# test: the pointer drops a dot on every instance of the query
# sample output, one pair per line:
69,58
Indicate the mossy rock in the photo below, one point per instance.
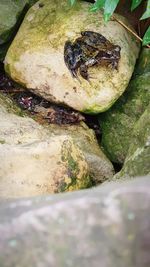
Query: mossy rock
143,63
100,167
11,12
36,56
137,162
11,15
117,124
42,159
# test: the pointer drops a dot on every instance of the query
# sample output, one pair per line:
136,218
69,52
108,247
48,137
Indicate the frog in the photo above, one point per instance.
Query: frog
90,49
73,55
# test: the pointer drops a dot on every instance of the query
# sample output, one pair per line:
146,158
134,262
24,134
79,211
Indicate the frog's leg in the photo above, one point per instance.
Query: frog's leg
84,72
69,57
83,69
114,64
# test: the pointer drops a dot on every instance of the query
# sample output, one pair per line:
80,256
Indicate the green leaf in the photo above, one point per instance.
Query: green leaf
72,2
147,12
99,4
110,6
135,3
146,38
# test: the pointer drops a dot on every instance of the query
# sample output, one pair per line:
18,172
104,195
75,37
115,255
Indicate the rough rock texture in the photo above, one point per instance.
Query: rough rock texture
138,157
10,10
36,56
100,167
38,160
143,64
117,124
108,226
11,14
52,166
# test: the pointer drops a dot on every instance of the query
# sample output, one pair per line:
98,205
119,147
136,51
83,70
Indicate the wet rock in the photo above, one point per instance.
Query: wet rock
137,161
117,124
37,160
36,57
106,226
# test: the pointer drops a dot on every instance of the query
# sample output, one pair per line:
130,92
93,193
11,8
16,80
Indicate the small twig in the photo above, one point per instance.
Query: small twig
12,91
126,27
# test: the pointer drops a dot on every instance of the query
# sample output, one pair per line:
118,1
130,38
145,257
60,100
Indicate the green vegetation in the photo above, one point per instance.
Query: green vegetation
109,7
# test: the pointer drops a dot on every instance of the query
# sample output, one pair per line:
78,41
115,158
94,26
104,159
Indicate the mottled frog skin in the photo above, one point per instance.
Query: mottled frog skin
90,49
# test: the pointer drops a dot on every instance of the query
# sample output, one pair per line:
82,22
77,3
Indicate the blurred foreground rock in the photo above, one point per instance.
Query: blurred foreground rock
107,226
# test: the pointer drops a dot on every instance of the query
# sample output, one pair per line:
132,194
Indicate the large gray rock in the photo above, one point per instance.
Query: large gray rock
108,226
36,56
118,122
37,160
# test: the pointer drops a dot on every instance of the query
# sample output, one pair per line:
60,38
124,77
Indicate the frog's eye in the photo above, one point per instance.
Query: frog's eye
79,57
109,52
117,48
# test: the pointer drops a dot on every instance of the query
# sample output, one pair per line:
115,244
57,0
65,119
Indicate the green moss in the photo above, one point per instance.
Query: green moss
9,13
137,162
74,169
95,109
143,64
117,123
10,106
2,142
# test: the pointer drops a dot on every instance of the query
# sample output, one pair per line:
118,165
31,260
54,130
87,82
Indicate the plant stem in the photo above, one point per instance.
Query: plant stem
127,28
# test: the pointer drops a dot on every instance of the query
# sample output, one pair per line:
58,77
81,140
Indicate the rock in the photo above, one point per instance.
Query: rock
3,50
100,167
117,124
36,56
11,13
143,64
106,226
37,160
138,157
52,166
